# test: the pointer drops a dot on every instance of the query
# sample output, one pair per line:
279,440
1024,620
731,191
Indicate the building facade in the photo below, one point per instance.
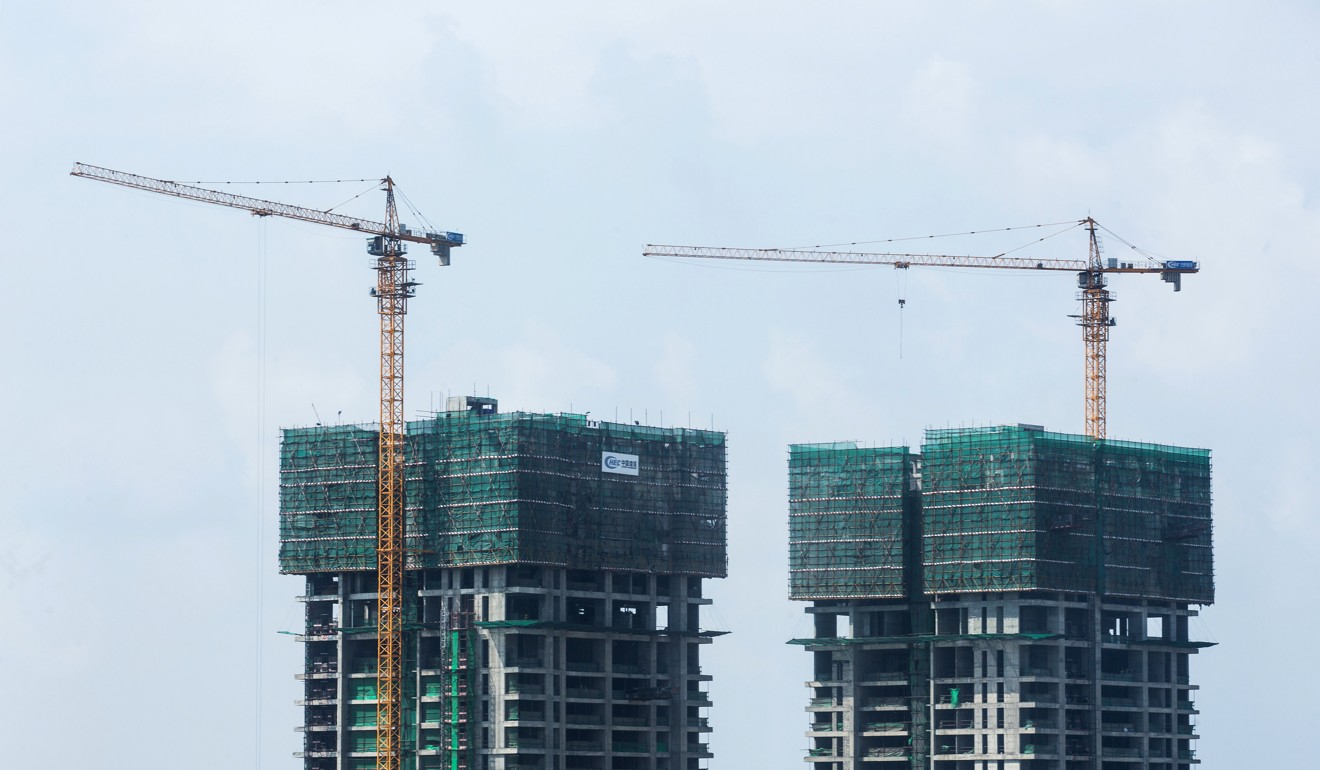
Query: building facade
1010,599
556,571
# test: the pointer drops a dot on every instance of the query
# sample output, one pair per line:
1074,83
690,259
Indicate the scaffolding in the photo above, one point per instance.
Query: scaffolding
328,498
1015,508
848,508
486,488
1009,508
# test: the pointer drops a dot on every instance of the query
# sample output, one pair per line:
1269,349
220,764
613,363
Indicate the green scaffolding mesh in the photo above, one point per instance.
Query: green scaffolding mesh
846,520
1017,508
1000,509
328,499
504,488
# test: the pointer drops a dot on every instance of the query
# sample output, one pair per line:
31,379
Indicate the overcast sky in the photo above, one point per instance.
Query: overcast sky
140,599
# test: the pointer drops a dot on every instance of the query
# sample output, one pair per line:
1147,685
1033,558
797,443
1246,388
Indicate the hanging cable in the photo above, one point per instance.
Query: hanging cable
900,284
259,650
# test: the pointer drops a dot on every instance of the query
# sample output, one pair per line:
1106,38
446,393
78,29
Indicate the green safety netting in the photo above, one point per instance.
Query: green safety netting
506,488
1009,508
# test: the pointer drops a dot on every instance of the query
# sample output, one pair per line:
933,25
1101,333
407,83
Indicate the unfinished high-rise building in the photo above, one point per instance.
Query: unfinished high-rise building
1009,599
554,590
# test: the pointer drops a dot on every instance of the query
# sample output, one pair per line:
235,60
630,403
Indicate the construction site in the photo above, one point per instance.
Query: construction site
1008,599
552,599
519,591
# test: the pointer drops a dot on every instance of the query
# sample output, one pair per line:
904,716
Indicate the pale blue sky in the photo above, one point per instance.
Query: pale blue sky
561,138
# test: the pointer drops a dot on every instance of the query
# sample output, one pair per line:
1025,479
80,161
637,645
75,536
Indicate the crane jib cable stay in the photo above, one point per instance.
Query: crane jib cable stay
1092,283
394,287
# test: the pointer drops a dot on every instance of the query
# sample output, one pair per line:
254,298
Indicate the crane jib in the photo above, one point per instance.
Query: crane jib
263,208
1091,279
897,260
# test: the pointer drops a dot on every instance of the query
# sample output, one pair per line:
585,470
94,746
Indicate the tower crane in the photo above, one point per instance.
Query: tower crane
394,287
1092,284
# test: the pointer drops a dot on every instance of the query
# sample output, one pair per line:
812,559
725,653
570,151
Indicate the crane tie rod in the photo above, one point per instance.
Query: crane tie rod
288,181
1071,223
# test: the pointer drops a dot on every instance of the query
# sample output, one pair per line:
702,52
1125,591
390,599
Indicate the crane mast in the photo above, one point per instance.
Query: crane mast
1091,280
394,287
1095,323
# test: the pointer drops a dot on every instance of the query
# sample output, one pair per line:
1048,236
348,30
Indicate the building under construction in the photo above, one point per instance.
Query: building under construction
554,590
1009,599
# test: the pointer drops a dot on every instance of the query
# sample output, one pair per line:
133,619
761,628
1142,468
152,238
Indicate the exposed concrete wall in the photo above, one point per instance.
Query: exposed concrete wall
1036,681
563,670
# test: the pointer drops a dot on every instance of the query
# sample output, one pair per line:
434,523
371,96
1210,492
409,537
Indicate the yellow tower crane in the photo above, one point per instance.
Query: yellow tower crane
393,289
1092,283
